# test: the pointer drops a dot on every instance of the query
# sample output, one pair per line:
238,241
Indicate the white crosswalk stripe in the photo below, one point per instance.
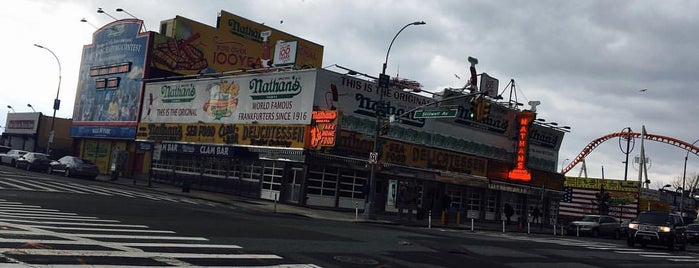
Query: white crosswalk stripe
598,246
12,181
60,237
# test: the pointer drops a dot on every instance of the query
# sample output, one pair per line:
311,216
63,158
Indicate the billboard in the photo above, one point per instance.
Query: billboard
22,123
357,99
110,81
272,98
236,43
580,197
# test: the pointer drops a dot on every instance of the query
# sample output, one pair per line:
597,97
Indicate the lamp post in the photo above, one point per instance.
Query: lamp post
122,10
684,173
563,164
374,155
56,101
99,10
30,106
10,107
85,21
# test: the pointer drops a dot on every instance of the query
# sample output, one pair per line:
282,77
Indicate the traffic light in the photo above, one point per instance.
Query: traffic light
485,109
472,112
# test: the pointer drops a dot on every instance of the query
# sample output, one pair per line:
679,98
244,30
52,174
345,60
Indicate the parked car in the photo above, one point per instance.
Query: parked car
595,225
658,228
33,161
11,156
4,149
71,166
692,233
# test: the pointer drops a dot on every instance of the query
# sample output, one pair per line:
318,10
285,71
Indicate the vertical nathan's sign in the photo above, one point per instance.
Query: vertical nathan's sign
520,171
324,129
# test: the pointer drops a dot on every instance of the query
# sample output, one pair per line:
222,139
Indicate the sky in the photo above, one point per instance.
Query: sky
596,66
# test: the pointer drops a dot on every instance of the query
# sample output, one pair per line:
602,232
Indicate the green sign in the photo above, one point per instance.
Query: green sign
435,113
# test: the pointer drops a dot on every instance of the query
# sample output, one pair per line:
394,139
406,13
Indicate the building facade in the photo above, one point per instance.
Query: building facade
32,131
242,108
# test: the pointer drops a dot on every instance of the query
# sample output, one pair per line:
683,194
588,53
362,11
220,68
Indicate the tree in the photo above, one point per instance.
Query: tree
691,183
603,200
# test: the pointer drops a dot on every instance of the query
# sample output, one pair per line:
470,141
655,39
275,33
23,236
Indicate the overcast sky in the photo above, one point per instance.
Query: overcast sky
586,61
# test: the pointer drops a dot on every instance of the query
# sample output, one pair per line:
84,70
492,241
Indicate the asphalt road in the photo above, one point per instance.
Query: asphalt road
51,220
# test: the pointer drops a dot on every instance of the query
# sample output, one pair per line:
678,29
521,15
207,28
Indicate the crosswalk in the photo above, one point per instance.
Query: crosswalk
596,245
15,181
33,236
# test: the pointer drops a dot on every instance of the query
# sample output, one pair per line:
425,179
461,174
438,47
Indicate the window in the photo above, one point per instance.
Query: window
100,83
113,82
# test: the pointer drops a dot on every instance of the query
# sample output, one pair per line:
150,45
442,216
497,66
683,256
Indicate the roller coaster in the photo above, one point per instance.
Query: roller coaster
690,148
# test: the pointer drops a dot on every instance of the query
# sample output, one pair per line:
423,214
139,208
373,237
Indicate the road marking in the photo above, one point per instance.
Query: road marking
61,186
37,212
110,253
43,214
77,223
180,245
100,229
88,189
15,208
3,217
13,265
154,237
15,185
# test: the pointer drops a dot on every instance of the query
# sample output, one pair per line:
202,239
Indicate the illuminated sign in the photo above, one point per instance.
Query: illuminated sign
520,171
324,129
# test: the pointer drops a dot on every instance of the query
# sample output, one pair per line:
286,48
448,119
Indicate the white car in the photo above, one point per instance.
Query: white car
11,156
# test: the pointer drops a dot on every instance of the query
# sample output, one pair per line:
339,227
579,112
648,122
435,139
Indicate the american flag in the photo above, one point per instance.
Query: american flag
577,202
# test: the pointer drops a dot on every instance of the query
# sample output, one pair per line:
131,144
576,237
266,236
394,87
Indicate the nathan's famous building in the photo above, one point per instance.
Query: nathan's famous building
244,109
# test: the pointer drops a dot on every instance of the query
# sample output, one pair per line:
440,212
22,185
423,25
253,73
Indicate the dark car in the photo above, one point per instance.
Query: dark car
595,225
33,161
658,228
692,233
624,228
71,166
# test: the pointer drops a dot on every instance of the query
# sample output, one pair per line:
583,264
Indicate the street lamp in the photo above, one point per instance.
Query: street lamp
564,163
122,10
30,106
85,21
374,156
684,173
99,10
10,107
56,101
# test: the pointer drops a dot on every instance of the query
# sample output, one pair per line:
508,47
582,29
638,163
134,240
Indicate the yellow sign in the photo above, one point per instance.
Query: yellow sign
236,44
596,184
287,136
426,157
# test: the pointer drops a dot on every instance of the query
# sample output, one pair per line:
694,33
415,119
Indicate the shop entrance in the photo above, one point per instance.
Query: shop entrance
293,187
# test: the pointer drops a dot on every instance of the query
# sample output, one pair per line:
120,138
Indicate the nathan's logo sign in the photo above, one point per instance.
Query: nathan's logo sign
178,93
520,171
324,129
243,31
275,88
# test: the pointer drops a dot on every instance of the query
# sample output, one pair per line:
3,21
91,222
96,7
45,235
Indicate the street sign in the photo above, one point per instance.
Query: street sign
436,113
373,157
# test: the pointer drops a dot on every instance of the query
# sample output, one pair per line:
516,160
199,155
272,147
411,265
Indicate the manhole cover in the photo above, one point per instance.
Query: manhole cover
356,260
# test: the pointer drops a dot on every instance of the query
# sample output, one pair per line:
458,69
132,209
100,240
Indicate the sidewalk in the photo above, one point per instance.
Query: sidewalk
269,206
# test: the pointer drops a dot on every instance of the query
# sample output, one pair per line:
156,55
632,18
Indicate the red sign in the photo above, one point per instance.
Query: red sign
520,171
324,129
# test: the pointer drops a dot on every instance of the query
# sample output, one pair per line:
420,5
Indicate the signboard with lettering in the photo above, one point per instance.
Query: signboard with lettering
358,100
110,81
425,157
520,172
286,136
272,98
236,43
22,123
323,129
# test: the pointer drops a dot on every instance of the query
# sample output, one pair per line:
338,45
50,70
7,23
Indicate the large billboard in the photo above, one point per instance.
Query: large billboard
110,81
271,98
286,136
190,47
22,123
358,100
580,197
